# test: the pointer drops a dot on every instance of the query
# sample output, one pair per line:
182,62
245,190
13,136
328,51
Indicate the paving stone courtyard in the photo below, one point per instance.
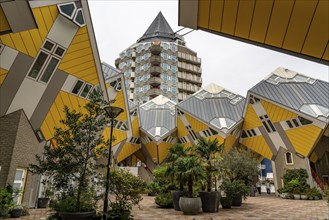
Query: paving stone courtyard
260,207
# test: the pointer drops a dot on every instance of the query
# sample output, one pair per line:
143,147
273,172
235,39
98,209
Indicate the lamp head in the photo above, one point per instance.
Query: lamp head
112,111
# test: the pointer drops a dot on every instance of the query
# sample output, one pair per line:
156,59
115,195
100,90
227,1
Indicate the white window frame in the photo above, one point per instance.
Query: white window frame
292,158
50,55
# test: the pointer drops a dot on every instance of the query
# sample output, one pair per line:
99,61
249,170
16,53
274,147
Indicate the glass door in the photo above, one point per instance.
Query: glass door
18,185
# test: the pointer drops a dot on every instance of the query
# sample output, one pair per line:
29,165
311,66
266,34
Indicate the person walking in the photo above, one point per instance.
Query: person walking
259,187
268,186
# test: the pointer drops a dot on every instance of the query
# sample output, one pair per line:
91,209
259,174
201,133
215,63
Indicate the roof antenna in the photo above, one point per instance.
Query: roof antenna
179,30
187,33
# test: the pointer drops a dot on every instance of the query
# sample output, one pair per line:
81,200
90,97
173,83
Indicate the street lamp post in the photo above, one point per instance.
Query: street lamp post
112,113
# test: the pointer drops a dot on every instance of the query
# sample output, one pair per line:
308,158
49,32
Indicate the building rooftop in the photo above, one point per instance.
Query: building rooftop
216,106
157,117
159,29
296,91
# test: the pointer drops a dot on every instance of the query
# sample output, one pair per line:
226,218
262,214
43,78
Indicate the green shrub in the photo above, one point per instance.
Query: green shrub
69,203
164,200
6,200
295,174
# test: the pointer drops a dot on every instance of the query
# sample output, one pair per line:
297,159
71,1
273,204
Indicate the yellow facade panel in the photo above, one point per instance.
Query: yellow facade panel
196,125
229,142
181,129
79,38
260,20
28,42
279,22
303,138
203,13
6,40
120,102
65,99
78,46
42,28
135,127
259,145
47,17
4,25
3,74
163,150
276,113
119,136
127,150
229,16
18,42
53,11
91,78
152,149
299,24
79,67
74,102
77,61
36,38
216,11
317,37
45,130
251,119
69,56
243,21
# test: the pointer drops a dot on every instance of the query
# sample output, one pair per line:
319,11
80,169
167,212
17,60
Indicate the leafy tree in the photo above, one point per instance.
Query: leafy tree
238,164
209,152
127,189
78,144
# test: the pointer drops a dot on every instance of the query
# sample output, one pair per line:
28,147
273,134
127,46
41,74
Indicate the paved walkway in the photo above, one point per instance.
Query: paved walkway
261,207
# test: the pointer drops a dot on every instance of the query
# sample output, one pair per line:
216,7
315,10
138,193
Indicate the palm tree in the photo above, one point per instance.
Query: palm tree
174,153
209,151
190,169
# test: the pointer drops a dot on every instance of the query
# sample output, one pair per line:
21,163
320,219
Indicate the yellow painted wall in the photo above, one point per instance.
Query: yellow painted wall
152,149
135,127
303,138
120,102
229,142
181,129
79,59
259,145
276,113
3,74
251,119
127,150
29,42
196,125
163,150
56,113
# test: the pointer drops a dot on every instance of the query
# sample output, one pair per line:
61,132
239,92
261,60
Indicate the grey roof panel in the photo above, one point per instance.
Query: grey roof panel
294,94
208,108
109,71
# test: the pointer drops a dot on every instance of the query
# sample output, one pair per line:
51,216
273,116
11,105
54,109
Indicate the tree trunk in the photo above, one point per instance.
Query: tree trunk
209,177
181,187
190,186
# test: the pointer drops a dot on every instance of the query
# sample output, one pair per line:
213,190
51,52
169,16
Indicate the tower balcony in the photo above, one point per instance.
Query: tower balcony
155,70
154,81
155,60
154,92
156,49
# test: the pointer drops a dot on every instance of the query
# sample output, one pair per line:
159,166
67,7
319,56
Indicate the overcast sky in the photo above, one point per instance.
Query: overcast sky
231,64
